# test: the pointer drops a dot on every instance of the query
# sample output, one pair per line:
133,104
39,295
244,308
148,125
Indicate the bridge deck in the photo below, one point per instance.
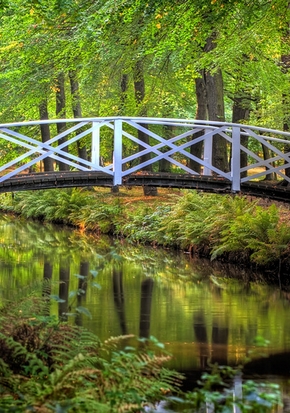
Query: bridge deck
50,180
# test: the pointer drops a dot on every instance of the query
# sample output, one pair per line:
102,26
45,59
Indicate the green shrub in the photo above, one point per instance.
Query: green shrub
259,232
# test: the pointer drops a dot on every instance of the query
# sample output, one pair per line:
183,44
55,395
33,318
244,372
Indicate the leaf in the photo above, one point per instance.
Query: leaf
129,348
79,276
96,285
83,310
94,273
57,299
99,257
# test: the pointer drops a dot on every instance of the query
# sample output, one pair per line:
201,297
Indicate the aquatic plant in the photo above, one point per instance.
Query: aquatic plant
222,391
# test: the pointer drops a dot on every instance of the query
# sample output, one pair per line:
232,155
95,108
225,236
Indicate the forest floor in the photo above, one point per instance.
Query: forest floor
133,195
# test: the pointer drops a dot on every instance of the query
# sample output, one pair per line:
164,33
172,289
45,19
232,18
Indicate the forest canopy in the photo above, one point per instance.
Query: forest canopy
217,60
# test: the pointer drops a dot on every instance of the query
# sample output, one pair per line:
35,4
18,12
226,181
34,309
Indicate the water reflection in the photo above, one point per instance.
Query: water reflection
201,338
81,289
145,307
64,280
201,313
118,293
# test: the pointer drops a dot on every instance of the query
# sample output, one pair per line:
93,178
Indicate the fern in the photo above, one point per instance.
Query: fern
258,232
47,365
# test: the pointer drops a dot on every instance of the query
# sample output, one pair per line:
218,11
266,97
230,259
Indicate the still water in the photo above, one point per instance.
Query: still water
200,310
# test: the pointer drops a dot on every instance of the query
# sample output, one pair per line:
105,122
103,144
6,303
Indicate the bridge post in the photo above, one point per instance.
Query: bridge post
236,159
117,153
96,143
207,155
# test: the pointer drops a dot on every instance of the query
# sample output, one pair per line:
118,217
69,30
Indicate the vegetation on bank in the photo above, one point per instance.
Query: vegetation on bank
217,226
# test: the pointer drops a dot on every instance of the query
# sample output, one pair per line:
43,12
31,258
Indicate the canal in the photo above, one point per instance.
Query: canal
203,312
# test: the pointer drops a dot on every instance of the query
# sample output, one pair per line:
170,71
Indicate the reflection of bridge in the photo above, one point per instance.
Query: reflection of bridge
120,150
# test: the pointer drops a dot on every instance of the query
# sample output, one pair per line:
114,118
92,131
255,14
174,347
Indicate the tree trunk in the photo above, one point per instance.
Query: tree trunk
285,98
139,87
201,114
77,110
285,61
164,164
124,88
61,113
267,155
45,133
216,111
241,113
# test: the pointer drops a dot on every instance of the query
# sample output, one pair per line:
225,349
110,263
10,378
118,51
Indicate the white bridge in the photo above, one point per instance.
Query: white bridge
114,147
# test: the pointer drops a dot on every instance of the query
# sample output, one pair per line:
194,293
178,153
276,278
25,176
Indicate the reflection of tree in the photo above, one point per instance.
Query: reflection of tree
119,297
46,289
82,289
220,336
64,277
47,276
199,325
145,308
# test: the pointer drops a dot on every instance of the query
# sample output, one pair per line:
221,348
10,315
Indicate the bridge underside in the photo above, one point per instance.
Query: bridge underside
50,180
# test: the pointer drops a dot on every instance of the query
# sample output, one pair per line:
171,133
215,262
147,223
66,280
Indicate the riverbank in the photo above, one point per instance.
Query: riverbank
254,233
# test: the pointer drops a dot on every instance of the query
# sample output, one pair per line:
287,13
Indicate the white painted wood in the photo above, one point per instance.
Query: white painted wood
125,161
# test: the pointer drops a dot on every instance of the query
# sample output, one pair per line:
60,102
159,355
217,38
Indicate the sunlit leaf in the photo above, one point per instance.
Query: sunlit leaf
94,273
57,299
83,310
96,285
79,276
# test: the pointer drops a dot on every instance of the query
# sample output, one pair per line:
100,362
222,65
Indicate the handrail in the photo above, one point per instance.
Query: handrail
127,159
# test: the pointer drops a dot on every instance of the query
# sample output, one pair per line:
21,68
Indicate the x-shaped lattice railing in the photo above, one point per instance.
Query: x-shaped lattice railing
175,150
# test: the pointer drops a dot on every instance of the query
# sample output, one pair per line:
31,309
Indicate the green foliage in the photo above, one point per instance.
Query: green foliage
145,225
258,232
102,218
53,205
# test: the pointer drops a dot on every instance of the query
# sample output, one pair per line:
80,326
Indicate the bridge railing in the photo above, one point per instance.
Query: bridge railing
120,146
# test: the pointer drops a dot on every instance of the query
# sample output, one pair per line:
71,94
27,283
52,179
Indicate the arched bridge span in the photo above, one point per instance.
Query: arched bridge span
120,150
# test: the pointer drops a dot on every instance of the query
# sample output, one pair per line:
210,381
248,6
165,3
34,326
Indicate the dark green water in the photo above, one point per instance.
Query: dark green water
202,312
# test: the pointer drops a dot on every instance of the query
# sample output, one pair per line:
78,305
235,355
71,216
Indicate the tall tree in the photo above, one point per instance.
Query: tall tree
285,60
61,113
77,110
45,133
